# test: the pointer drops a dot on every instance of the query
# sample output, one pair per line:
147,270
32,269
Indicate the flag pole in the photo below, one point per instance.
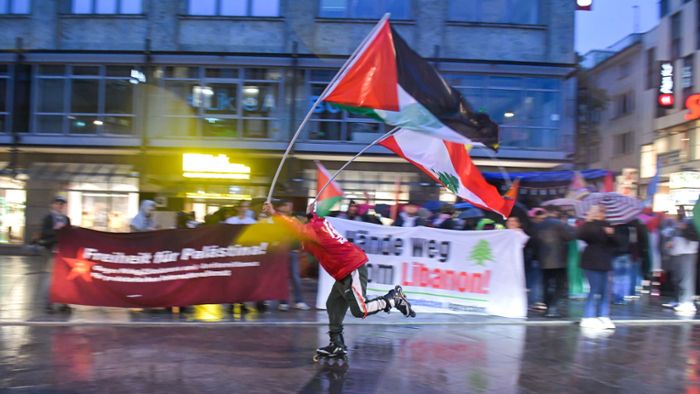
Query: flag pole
315,104
503,171
335,175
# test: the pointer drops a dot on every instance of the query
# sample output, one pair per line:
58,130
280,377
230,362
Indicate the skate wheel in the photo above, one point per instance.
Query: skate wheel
316,358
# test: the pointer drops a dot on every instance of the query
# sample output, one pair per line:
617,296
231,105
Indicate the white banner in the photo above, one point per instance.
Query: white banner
443,271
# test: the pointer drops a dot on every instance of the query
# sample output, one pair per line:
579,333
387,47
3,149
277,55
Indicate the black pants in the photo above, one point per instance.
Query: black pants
350,293
554,285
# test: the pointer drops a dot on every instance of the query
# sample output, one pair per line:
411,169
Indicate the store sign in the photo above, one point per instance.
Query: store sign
666,88
692,104
684,180
196,165
584,5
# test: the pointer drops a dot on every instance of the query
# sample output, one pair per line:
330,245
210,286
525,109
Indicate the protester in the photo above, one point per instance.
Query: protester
445,219
55,220
359,212
143,221
596,262
286,208
513,223
682,249
533,273
346,263
408,217
552,236
240,215
626,235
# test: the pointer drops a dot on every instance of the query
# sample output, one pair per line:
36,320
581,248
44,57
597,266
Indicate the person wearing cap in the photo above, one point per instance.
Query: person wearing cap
55,220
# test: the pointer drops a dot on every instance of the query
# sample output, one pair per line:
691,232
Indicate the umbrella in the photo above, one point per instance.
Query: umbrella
463,205
433,206
619,209
471,213
562,202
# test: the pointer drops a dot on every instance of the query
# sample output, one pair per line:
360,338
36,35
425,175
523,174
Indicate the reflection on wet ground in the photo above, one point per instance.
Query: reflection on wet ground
115,350
501,359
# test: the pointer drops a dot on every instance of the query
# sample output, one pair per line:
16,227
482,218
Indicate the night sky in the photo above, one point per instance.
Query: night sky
612,20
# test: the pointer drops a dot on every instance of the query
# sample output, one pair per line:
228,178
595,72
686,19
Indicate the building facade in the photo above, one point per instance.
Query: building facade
192,102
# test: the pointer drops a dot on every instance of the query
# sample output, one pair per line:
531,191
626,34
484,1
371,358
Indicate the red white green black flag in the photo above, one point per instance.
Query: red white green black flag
387,80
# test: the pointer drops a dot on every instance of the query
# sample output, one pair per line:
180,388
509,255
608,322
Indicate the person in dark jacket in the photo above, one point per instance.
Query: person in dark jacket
596,262
552,235
55,220
408,217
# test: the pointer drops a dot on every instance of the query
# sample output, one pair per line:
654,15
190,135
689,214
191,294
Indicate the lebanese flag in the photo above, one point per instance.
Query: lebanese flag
388,81
449,164
331,196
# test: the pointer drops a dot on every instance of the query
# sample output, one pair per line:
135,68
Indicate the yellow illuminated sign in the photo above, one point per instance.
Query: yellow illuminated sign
219,196
197,165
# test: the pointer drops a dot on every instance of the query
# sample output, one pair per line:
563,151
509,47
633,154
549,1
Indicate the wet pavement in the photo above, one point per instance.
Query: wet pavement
113,350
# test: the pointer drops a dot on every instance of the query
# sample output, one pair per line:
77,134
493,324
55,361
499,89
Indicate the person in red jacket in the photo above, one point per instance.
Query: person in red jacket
345,262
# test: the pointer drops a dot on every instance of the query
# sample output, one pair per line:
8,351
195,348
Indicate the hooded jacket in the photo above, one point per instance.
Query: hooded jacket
142,222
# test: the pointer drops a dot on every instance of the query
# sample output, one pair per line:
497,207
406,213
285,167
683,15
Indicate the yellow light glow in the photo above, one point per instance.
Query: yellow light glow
196,165
215,175
219,196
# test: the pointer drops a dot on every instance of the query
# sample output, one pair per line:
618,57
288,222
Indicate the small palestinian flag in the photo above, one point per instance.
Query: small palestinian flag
330,196
449,164
388,81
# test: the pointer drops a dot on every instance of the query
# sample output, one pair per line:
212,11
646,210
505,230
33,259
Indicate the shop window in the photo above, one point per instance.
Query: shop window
254,8
521,12
364,9
107,7
15,7
84,99
624,104
687,76
647,161
212,102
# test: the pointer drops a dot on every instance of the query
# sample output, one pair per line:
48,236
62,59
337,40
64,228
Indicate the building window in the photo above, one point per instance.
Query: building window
663,8
255,8
522,12
676,32
84,99
364,9
622,144
528,110
107,7
651,69
5,98
217,102
624,104
687,77
330,122
15,7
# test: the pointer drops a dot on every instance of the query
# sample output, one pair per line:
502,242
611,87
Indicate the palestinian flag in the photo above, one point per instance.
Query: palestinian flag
387,80
449,164
331,196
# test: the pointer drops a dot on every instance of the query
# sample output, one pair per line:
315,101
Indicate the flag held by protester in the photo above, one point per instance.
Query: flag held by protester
389,81
449,164
330,196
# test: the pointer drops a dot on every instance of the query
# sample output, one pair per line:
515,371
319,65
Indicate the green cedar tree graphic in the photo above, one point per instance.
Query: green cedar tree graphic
450,181
481,252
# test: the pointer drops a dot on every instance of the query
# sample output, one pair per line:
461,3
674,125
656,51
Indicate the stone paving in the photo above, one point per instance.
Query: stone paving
94,350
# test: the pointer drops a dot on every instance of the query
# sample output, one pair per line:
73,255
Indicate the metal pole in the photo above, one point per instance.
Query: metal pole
313,107
392,131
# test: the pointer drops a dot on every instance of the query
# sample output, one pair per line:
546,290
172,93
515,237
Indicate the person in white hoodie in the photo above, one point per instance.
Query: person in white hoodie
682,249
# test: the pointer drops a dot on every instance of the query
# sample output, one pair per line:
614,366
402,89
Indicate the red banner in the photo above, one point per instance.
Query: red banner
167,268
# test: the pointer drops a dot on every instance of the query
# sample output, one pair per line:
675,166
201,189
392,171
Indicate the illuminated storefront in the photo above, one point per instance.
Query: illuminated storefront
12,210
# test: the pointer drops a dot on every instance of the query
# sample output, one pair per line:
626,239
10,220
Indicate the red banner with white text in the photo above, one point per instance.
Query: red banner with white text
165,268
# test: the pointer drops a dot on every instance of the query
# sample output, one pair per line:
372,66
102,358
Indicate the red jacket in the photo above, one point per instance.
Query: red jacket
338,256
